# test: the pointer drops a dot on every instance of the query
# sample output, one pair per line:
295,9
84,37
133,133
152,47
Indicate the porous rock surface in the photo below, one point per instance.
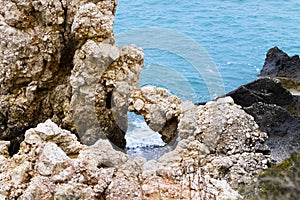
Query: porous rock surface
60,65
273,102
160,110
216,154
53,52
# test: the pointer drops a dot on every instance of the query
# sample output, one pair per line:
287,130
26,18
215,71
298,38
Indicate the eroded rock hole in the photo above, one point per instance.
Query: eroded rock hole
109,100
141,140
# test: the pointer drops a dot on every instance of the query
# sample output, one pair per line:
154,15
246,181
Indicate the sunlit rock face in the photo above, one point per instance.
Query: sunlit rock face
211,160
160,110
52,53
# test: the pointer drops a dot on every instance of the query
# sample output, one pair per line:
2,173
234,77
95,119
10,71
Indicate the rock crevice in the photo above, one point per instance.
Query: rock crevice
39,41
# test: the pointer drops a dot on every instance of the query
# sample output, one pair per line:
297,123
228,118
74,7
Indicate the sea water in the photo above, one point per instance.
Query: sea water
235,34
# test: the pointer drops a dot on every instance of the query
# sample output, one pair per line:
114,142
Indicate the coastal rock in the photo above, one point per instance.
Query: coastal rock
4,148
52,54
282,127
265,90
60,65
275,109
278,182
283,67
160,110
218,125
31,49
228,135
197,168
101,79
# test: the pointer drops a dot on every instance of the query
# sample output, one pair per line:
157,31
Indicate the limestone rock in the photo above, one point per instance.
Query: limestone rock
52,55
32,43
90,22
198,167
4,148
160,110
60,65
223,137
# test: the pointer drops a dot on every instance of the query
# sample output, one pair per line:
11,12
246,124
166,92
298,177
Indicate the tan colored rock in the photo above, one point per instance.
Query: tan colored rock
195,169
103,75
4,148
54,55
90,22
59,61
160,110
30,50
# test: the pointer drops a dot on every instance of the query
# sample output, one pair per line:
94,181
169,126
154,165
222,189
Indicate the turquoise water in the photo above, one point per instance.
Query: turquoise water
236,34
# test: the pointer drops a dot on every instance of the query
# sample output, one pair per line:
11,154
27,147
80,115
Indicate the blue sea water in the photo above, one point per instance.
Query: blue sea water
236,34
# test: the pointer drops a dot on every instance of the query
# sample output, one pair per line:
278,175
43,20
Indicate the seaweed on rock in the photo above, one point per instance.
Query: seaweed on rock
279,182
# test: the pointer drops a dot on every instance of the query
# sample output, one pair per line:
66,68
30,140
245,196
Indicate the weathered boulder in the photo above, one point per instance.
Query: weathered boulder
51,163
283,67
52,53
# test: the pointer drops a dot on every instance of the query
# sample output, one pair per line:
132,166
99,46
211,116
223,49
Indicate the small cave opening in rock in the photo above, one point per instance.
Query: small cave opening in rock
142,141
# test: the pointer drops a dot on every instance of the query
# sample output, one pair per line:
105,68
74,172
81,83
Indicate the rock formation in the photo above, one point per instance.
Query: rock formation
160,110
51,163
283,67
279,182
52,54
60,65
269,100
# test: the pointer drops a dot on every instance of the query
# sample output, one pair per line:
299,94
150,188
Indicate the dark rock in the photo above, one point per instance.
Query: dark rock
283,128
279,65
264,90
275,110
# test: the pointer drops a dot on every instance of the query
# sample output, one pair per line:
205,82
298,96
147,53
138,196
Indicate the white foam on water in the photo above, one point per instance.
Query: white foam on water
144,142
140,135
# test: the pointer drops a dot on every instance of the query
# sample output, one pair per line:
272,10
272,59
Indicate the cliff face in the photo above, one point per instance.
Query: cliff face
52,54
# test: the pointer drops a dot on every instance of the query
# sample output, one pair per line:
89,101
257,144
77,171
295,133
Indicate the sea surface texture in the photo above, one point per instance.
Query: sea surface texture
235,35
